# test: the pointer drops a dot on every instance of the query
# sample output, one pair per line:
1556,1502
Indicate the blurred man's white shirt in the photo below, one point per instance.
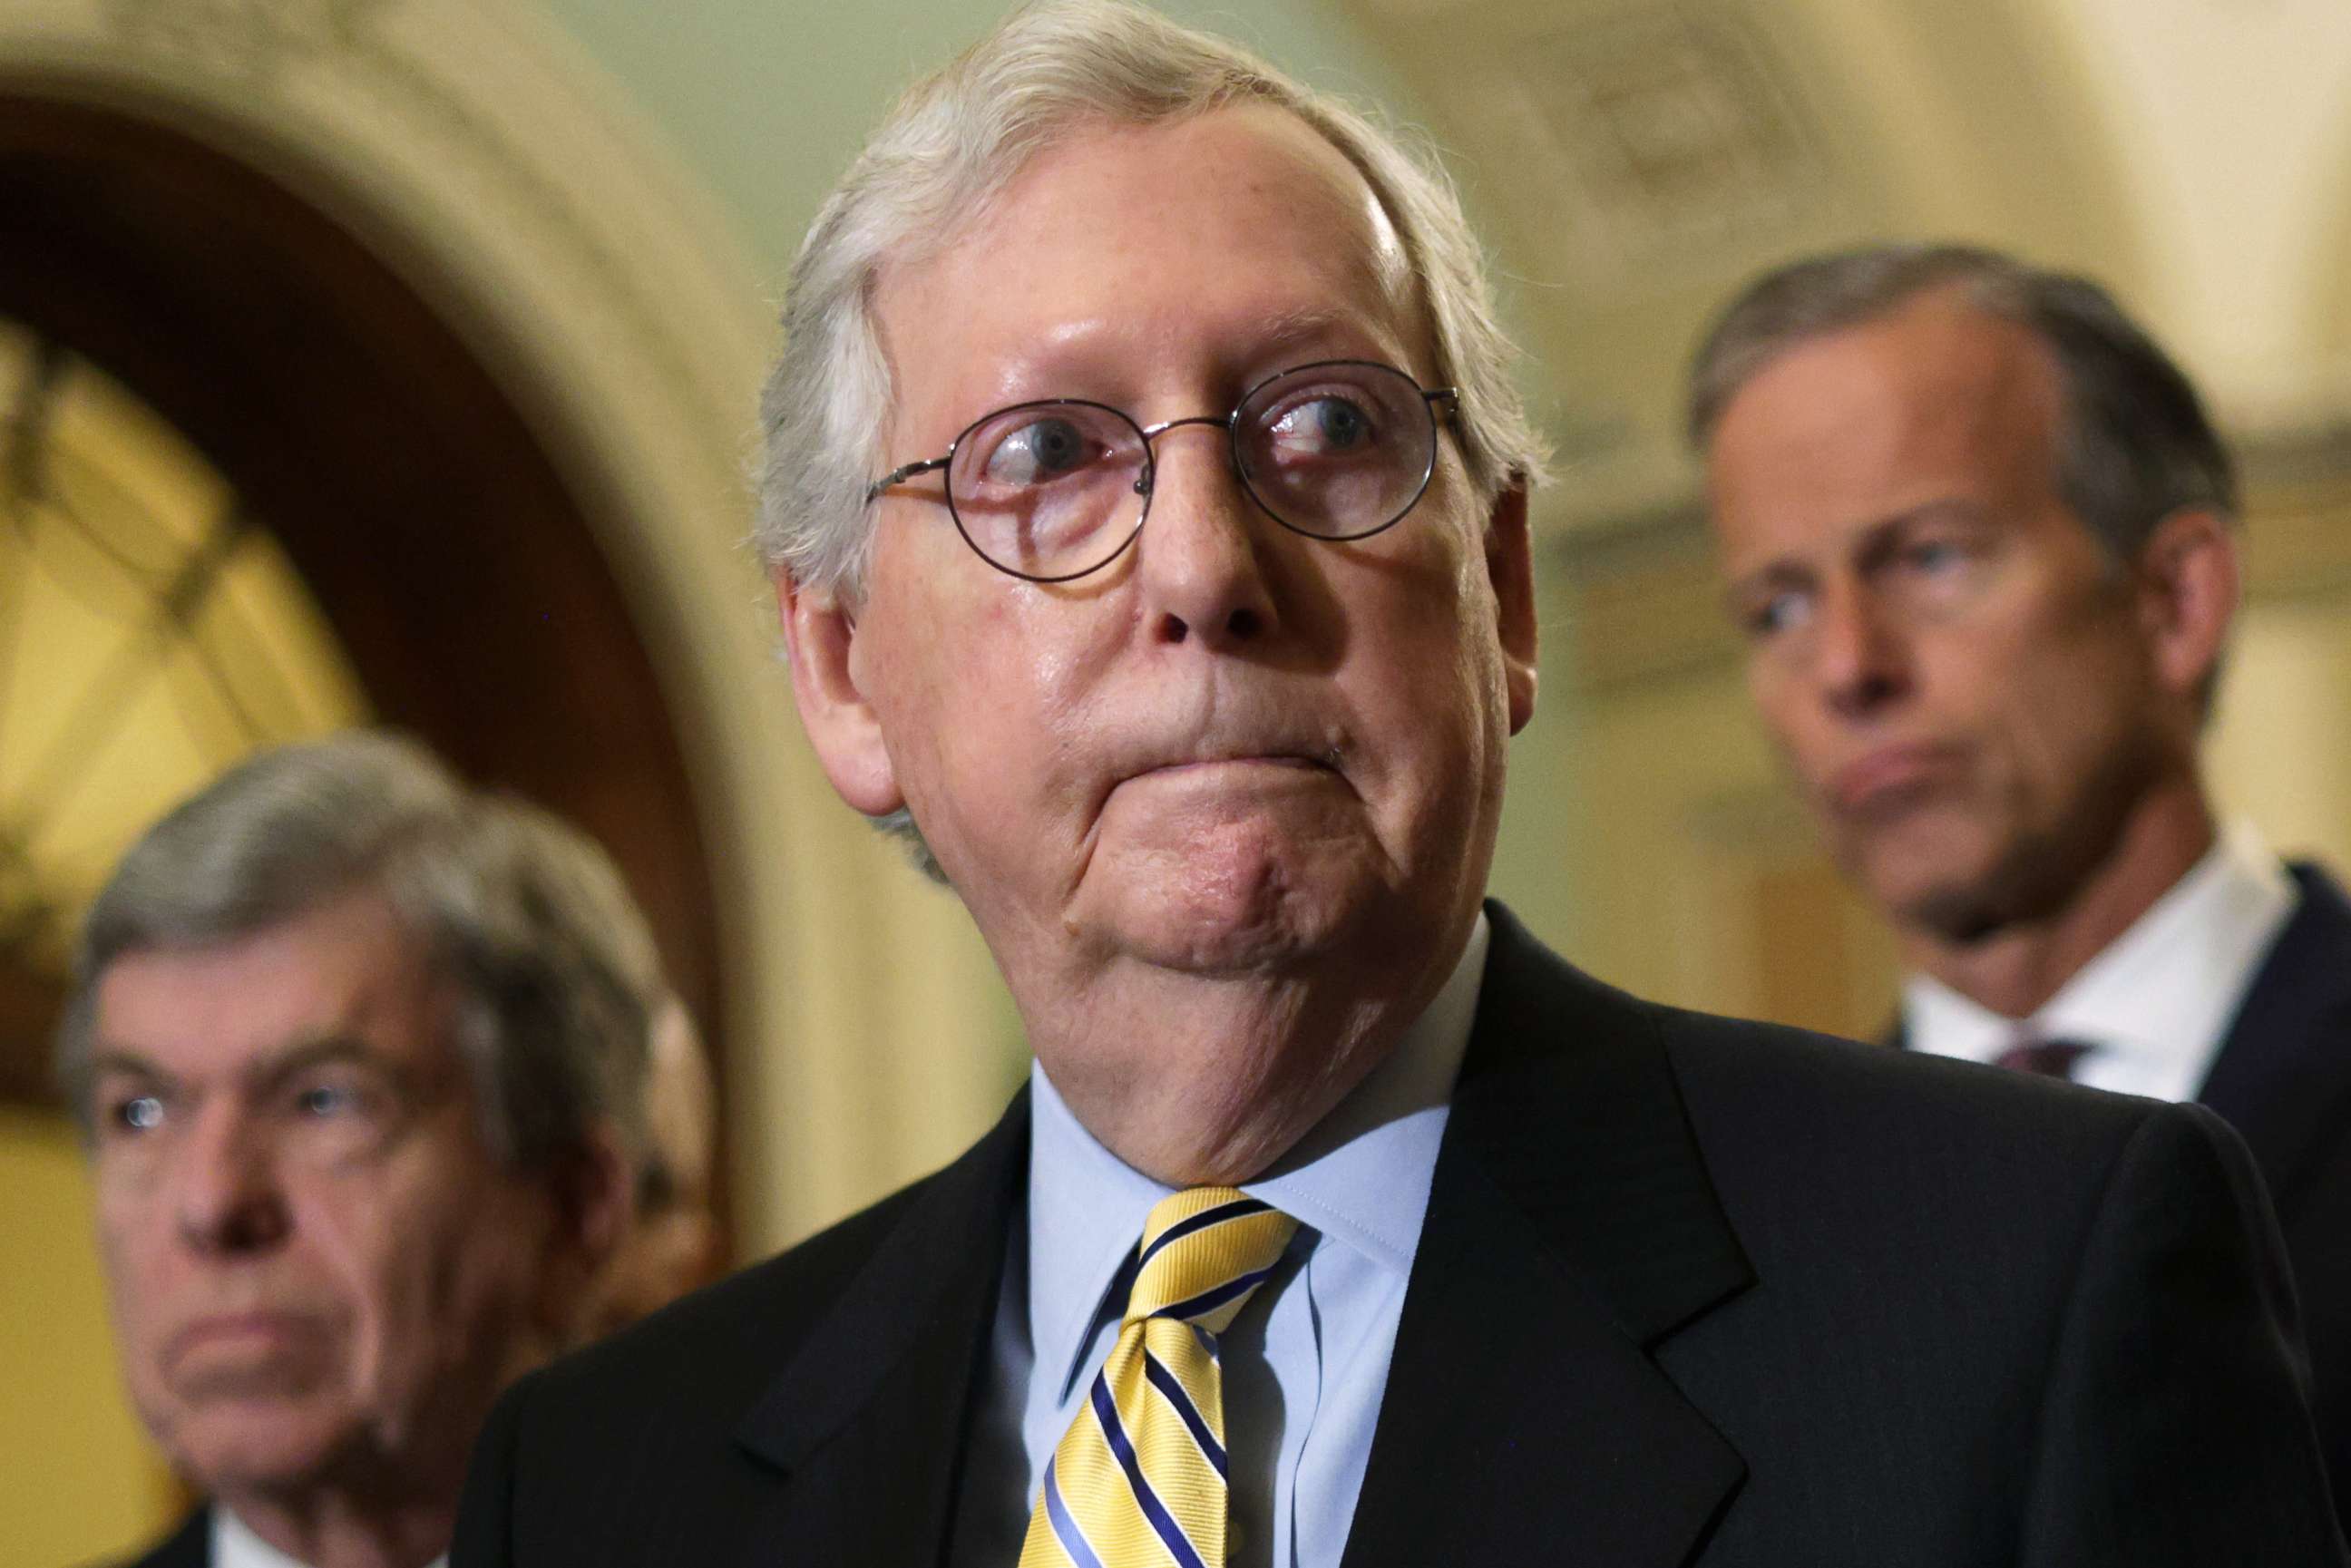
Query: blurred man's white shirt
2155,1006
236,1546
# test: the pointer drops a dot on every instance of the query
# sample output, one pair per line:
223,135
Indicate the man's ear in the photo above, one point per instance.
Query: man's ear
594,1205
1509,566
2188,584
820,634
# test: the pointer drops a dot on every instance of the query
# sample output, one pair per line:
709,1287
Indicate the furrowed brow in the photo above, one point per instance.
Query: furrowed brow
324,1051
1768,577
115,1059
1309,325
1882,538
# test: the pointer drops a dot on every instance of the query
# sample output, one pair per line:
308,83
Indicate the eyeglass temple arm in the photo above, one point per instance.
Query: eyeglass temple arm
900,475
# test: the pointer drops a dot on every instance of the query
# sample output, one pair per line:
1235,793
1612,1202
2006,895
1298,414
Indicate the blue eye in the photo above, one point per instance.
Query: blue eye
1779,613
137,1113
323,1100
1040,450
1323,426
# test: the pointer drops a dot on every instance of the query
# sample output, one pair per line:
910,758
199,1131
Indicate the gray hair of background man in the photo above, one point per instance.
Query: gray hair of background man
524,915
2136,444
956,141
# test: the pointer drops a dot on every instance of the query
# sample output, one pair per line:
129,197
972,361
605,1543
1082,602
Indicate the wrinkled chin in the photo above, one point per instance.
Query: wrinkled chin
1236,903
1966,869
266,1445
1934,879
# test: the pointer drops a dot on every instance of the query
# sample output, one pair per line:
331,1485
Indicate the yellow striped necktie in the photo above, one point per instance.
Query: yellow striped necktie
1138,1480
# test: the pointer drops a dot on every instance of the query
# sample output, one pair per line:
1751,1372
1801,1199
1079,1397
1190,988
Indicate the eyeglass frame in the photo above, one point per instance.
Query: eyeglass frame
1145,481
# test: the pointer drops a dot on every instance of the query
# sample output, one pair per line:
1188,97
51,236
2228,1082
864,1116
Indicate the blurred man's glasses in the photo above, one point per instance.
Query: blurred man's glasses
1051,491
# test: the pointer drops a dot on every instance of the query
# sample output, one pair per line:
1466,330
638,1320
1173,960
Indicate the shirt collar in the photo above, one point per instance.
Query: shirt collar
235,1545
2162,993
1361,1175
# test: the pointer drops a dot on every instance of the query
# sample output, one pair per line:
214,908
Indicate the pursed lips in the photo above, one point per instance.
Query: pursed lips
261,1327
1891,778
1246,759
1282,755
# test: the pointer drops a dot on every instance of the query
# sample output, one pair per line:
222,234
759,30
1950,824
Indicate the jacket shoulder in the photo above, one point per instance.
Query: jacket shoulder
1793,1092
189,1545
1872,1107
1793,1126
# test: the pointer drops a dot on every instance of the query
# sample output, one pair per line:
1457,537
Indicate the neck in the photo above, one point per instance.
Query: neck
1208,1079
335,1531
2016,969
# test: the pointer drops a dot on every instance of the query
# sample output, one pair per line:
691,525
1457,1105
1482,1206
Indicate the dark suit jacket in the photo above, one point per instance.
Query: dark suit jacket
189,1546
2283,1080
1688,1291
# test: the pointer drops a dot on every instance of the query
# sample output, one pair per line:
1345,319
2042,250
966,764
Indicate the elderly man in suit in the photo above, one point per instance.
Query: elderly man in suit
1979,534
1148,502
361,1056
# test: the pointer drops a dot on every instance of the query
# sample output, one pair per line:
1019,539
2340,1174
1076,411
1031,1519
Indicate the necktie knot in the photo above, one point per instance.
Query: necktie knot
2045,1058
1205,1251
1139,1477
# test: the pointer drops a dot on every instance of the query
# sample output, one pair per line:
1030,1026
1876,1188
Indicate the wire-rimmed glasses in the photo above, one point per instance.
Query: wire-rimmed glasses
1051,490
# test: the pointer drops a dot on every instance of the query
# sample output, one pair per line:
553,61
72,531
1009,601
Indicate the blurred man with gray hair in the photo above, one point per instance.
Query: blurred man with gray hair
362,1057
1980,537
1147,497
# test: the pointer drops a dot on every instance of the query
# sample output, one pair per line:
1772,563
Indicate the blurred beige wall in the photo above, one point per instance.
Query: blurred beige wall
82,1480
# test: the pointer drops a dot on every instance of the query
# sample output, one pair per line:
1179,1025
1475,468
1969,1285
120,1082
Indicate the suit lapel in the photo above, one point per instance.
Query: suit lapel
2280,1078
1572,1226
189,1546
865,1427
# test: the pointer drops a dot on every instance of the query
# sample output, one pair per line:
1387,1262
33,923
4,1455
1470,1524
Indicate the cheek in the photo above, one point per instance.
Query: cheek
1778,702
2075,722
1984,676
1437,682
416,1263
987,711
143,1263
2054,695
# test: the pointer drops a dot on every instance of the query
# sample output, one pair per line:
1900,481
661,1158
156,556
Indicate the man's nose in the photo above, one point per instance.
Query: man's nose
1202,575
1861,655
224,1185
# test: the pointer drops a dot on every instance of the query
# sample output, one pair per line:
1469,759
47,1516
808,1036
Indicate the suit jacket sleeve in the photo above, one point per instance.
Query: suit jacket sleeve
2176,1426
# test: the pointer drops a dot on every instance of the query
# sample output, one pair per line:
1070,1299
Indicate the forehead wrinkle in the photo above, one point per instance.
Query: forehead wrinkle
317,1049
1374,254
1366,261
308,1049
1928,405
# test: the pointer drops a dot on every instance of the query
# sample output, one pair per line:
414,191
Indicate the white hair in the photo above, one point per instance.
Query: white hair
952,145
526,917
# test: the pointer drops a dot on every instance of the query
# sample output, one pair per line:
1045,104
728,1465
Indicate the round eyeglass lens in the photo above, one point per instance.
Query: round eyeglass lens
1337,450
1047,490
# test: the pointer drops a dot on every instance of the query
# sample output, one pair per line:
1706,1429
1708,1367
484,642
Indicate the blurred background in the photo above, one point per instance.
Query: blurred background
394,360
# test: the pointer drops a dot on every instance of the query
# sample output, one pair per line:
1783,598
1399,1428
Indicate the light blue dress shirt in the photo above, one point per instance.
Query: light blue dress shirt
1304,1365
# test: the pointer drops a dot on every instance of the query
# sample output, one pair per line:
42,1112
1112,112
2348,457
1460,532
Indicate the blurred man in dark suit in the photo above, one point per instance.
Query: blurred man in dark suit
1979,536
362,1057
1148,501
